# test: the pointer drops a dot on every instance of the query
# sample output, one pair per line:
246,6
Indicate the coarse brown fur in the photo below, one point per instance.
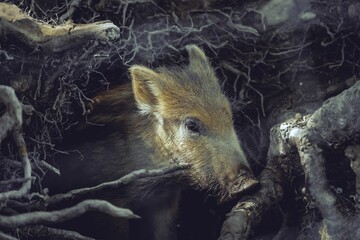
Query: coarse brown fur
166,116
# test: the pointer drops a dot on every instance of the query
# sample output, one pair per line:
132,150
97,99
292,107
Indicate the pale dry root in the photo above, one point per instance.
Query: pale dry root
48,38
336,124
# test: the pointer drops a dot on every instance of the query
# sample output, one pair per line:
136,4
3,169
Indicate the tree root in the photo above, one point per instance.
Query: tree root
142,173
43,233
12,121
52,39
149,36
353,154
41,217
251,209
336,124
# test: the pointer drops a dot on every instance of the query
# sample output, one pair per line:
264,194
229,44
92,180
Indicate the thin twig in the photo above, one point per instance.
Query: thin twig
49,167
142,173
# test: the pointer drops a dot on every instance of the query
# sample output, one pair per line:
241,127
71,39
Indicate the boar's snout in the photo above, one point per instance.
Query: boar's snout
244,182
239,178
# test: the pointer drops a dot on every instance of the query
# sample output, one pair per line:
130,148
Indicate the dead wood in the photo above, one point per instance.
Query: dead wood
44,37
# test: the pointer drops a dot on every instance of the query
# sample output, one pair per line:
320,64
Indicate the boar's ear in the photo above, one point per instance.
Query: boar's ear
197,57
145,83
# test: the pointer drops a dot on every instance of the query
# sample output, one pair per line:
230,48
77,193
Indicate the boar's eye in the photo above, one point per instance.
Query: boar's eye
193,125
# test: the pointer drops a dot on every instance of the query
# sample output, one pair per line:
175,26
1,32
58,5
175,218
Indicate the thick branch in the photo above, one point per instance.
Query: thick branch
50,38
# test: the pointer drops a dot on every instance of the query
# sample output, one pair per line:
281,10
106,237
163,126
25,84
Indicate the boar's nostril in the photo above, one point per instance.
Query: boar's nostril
244,182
